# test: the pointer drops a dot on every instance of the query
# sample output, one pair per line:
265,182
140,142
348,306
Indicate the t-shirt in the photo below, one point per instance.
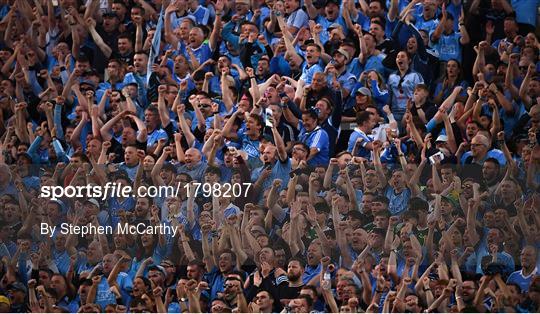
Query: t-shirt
318,138
522,281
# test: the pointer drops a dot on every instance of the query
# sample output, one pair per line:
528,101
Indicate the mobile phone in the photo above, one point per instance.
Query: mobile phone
268,112
438,155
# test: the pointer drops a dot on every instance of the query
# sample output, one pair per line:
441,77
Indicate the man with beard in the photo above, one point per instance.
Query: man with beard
232,288
468,292
295,271
142,209
195,270
490,173
338,73
115,73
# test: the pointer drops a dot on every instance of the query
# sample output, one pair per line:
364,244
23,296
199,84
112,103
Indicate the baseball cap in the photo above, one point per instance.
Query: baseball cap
88,82
166,263
158,268
451,201
18,286
442,138
343,52
364,91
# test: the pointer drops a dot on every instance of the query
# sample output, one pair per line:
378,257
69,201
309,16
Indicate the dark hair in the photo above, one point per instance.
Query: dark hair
233,255
417,203
314,45
493,160
381,198
310,113
126,36
300,261
308,299
312,288
213,170
247,22
363,116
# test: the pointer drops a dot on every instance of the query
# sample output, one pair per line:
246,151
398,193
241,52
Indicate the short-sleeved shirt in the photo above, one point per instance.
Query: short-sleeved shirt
448,46
494,153
362,151
398,203
309,70
280,170
155,136
318,138
298,19
522,281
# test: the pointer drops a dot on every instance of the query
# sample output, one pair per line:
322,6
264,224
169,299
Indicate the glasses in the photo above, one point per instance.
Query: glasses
477,145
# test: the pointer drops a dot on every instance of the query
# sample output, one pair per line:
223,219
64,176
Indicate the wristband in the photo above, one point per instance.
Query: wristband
62,68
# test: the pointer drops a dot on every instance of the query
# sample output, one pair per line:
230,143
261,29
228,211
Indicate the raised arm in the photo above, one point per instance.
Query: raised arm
91,24
524,88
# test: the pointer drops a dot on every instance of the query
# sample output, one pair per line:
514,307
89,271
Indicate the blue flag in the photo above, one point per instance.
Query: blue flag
156,42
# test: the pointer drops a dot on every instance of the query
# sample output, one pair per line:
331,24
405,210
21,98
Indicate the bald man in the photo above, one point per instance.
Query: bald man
481,150
524,276
193,164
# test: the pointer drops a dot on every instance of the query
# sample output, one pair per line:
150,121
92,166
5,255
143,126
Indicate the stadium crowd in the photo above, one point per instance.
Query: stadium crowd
329,155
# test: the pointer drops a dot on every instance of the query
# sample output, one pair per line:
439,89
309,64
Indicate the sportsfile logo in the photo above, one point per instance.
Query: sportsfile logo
108,190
